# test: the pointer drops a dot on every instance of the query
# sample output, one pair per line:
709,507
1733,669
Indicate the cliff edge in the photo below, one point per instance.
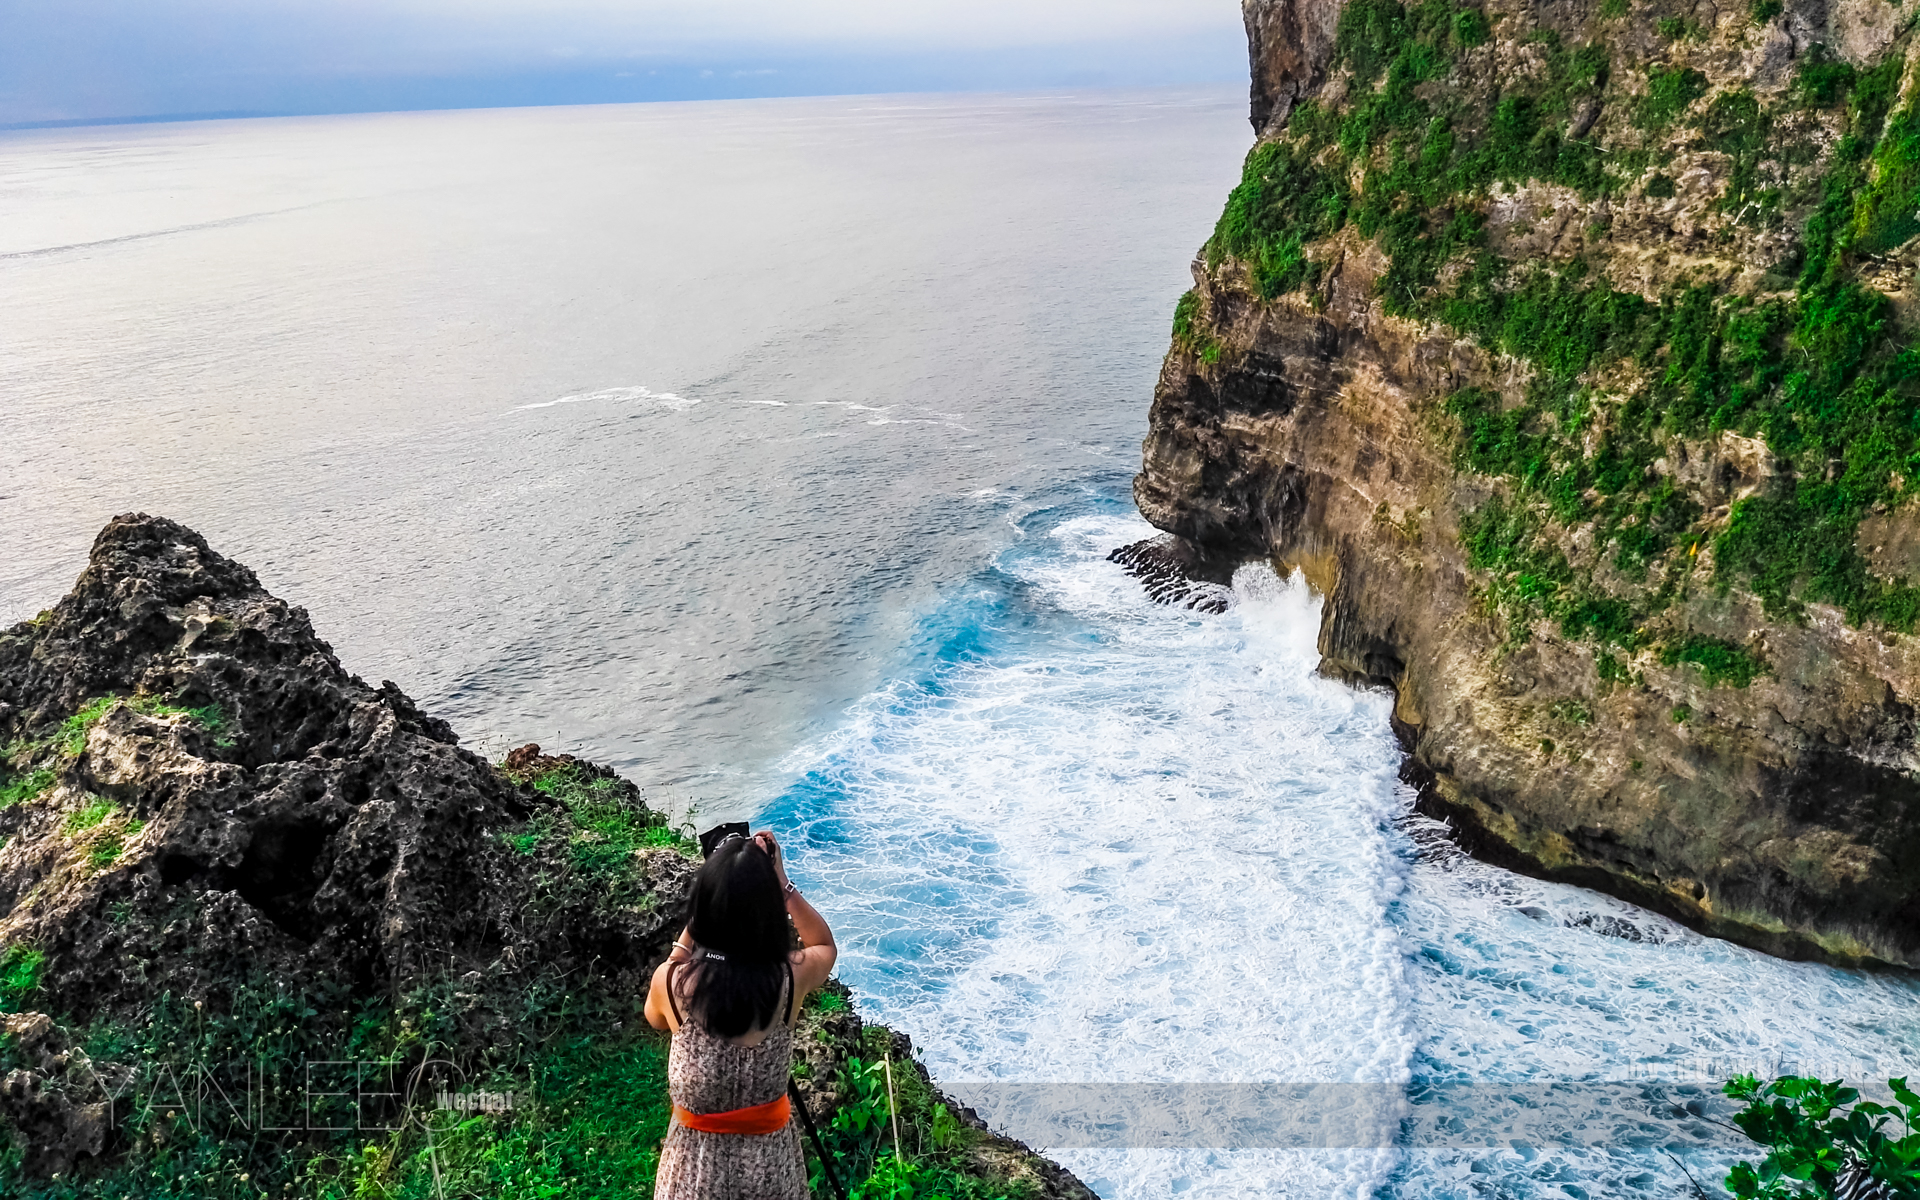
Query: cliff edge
1567,347
268,930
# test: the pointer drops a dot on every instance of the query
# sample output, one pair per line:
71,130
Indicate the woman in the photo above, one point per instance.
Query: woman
730,991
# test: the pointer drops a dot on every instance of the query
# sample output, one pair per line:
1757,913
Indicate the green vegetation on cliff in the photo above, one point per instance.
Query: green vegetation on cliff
284,1093
1411,147
316,1094
272,933
599,825
895,1139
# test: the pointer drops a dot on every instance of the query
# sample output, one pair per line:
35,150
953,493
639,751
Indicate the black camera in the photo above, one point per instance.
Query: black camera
711,839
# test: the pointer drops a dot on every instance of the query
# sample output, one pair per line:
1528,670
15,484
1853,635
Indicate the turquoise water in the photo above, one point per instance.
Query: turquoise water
1083,838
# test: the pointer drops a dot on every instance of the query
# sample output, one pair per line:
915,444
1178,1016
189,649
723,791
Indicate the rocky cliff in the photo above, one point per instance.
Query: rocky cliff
1567,347
259,921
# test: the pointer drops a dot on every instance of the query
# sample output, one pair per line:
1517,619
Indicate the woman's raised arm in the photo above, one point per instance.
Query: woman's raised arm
817,950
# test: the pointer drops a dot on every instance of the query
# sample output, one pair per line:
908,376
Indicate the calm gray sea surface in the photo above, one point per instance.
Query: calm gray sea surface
638,430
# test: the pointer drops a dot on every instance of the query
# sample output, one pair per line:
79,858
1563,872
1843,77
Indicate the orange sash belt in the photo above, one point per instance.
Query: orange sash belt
770,1117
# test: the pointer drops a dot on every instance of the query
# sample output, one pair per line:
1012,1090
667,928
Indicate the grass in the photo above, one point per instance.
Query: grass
24,776
607,827
108,849
210,717
71,738
586,845
587,1122
95,812
590,1098
830,1002
104,847
21,969
590,1105
22,788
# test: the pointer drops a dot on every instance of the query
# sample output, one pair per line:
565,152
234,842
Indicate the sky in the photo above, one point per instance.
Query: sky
73,61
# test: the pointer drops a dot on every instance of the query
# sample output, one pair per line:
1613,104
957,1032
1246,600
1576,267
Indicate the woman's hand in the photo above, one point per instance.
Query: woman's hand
767,842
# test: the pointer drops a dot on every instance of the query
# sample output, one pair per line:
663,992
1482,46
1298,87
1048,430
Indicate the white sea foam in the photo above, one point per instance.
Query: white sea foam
1114,841
855,406
620,395
1146,846
920,421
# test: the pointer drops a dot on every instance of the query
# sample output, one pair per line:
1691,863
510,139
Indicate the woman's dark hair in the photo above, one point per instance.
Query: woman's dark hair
738,911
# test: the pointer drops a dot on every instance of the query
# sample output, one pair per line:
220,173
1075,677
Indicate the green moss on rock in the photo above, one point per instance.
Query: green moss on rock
1410,153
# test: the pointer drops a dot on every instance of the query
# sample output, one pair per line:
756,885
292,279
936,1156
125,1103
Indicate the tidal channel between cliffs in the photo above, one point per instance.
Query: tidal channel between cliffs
1094,838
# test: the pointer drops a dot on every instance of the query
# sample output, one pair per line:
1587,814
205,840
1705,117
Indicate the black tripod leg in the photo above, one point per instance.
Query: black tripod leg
806,1119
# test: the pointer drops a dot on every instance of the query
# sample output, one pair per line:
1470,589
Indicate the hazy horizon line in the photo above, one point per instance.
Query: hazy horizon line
270,114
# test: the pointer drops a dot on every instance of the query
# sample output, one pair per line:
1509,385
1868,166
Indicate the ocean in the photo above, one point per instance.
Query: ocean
771,452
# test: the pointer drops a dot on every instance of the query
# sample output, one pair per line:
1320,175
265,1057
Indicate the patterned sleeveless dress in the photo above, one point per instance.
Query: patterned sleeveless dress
708,1074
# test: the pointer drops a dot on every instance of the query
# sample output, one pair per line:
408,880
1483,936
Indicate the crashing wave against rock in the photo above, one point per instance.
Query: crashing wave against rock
1165,566
1653,627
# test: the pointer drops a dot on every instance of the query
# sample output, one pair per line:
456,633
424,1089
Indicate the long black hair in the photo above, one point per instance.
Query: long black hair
739,914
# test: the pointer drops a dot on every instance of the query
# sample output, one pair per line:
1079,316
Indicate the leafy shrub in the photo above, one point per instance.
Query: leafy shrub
1719,661
1611,669
1822,80
923,1165
1187,333
1282,201
1470,28
1825,378
1815,1131
1571,712
1669,91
